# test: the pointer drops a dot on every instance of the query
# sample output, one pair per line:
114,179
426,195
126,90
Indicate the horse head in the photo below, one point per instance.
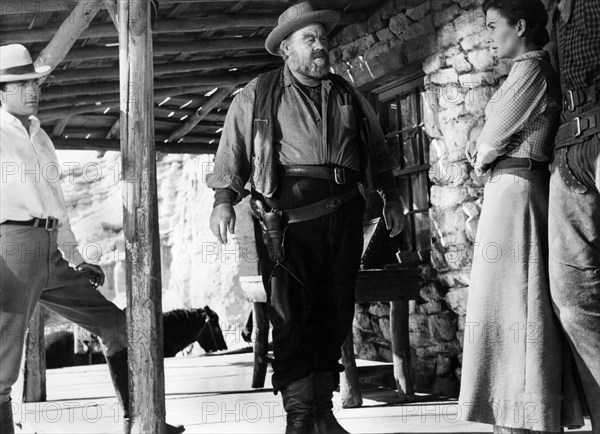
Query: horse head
210,337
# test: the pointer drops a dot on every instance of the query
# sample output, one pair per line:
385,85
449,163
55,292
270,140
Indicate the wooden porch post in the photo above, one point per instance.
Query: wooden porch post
140,217
34,377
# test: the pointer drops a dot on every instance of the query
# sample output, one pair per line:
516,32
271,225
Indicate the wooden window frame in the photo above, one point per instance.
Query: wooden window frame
398,89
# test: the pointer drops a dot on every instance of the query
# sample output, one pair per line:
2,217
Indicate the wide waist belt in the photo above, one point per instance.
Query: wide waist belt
48,224
578,129
320,208
340,175
577,97
517,163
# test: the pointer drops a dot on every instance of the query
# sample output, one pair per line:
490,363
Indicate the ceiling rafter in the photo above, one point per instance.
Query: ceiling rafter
201,113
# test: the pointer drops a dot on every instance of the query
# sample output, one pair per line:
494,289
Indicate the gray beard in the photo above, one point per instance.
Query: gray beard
309,68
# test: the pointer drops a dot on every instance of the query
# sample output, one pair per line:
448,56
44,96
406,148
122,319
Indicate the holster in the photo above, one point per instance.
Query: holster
272,230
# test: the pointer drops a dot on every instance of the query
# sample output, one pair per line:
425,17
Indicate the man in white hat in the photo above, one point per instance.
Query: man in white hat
39,259
304,138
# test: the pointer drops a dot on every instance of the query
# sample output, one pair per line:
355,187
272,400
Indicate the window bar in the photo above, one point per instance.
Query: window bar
420,124
399,136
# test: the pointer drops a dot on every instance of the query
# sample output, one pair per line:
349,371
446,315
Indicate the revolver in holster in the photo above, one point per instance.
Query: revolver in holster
271,226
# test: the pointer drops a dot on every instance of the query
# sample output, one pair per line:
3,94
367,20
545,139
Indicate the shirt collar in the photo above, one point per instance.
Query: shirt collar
536,54
34,122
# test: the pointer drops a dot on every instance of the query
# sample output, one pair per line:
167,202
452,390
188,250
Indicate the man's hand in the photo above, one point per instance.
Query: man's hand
92,272
222,219
393,214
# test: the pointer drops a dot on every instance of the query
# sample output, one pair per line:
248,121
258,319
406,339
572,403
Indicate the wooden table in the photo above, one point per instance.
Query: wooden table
396,286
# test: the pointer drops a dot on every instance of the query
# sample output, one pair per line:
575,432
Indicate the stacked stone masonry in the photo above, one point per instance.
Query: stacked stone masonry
447,40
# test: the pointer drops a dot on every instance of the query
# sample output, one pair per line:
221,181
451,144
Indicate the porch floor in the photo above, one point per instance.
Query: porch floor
213,395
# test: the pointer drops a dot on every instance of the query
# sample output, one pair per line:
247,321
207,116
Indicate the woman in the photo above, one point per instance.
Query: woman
512,359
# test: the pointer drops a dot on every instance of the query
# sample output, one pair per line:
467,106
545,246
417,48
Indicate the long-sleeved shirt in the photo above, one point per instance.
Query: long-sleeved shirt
523,115
303,134
579,41
30,185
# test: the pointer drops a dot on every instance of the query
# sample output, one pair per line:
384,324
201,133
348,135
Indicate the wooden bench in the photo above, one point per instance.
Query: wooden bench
397,286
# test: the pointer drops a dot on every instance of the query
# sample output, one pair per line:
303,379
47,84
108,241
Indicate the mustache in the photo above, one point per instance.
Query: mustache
321,54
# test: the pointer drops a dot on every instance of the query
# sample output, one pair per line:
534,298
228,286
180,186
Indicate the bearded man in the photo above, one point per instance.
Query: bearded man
305,138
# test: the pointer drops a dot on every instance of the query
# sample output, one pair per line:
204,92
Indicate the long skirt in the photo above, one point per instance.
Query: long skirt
512,372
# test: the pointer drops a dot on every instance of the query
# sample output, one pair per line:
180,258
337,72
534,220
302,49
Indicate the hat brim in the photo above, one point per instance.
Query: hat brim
41,71
328,18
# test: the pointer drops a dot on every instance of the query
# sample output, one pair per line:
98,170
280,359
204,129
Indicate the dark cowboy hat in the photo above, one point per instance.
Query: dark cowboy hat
16,64
297,17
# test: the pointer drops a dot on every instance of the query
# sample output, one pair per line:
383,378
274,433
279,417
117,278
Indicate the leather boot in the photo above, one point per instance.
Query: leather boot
6,418
323,386
298,404
119,374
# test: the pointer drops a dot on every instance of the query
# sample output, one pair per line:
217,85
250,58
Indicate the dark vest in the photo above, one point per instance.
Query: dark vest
269,88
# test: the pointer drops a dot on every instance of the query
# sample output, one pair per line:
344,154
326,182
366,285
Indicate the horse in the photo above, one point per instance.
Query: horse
182,327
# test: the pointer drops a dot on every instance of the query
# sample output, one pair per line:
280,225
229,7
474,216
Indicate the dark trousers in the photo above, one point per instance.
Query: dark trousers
311,294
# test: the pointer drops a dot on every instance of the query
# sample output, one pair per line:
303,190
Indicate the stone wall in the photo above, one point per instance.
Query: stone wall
446,40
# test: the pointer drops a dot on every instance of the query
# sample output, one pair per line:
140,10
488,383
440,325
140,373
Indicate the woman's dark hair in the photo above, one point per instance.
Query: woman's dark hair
532,11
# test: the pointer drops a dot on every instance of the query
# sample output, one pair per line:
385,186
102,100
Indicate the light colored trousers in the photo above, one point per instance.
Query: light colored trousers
574,236
33,270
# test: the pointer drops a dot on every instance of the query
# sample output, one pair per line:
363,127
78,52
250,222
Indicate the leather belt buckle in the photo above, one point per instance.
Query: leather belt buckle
339,175
576,129
51,223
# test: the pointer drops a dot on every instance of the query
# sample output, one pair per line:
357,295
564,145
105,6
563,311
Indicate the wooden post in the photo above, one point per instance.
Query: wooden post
349,384
401,349
140,218
34,377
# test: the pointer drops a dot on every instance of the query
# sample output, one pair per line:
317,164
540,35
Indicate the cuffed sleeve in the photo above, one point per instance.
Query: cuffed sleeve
233,159
224,195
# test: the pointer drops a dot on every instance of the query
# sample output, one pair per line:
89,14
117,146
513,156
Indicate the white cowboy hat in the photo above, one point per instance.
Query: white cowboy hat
297,17
16,64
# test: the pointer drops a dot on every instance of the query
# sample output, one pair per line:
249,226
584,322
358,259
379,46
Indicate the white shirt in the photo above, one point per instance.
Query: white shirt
30,183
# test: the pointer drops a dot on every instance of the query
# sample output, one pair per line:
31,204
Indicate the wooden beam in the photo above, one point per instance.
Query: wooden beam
178,10
211,22
86,74
114,130
60,126
200,114
69,31
167,49
200,24
40,20
104,145
55,109
63,114
140,218
185,84
22,7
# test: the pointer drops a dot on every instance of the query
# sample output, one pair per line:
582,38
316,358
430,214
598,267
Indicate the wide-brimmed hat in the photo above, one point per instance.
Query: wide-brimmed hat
295,18
16,64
